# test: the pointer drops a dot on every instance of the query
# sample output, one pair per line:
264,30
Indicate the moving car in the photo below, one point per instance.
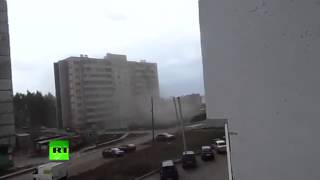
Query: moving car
51,171
189,159
165,137
112,152
168,170
207,153
128,148
220,146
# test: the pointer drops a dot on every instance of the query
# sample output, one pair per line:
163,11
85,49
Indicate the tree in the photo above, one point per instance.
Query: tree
34,109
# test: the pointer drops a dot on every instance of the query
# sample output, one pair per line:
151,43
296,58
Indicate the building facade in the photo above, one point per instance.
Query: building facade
261,72
108,92
7,126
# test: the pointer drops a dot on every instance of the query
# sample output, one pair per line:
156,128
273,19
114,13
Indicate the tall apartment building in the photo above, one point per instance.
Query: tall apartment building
261,72
109,92
7,127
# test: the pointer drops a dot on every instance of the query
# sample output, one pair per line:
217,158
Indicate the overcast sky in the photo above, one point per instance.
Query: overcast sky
161,31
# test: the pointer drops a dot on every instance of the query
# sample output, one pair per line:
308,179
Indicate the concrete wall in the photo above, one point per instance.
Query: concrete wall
261,70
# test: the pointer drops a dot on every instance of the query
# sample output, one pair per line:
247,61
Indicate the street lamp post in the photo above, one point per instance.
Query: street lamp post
152,118
181,120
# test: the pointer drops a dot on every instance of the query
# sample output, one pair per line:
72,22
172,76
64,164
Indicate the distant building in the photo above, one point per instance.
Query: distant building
7,127
108,92
191,105
165,111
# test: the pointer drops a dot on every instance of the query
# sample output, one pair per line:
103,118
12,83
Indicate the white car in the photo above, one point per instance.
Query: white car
165,137
51,171
220,146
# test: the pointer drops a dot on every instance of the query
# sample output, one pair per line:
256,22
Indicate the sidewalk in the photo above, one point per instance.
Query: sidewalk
23,160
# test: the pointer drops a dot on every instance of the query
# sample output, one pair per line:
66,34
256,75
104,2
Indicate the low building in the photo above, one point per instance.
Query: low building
23,141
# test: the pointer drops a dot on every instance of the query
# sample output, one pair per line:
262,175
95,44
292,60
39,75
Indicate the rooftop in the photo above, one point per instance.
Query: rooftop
167,163
206,147
188,152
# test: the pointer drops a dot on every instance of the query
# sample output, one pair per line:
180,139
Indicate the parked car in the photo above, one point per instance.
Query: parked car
220,146
189,159
128,148
112,152
207,153
168,170
51,171
165,137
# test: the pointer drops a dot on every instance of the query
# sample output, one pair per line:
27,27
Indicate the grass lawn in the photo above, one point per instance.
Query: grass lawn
138,163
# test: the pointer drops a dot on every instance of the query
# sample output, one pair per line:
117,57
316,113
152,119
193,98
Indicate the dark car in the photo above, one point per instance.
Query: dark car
165,137
128,148
189,160
168,170
207,153
112,152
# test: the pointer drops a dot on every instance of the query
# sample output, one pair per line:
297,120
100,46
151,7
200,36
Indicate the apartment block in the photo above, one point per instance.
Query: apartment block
109,92
7,127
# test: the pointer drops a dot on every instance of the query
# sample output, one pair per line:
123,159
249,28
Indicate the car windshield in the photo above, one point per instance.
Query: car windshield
221,143
188,156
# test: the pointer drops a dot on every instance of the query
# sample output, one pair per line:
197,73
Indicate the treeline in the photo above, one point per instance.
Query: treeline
34,109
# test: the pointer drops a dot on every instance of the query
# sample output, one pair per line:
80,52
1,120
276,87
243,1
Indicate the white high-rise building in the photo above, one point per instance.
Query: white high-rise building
109,92
261,63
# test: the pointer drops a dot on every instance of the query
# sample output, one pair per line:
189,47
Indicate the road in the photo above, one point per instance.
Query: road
210,170
78,163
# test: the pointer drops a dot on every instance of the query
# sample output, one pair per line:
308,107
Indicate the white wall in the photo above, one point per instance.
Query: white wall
261,69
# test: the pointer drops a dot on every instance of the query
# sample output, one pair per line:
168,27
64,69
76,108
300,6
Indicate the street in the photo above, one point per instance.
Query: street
210,170
82,162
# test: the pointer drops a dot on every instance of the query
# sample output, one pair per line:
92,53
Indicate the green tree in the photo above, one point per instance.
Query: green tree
34,109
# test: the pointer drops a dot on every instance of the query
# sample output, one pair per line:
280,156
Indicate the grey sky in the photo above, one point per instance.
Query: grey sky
162,31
